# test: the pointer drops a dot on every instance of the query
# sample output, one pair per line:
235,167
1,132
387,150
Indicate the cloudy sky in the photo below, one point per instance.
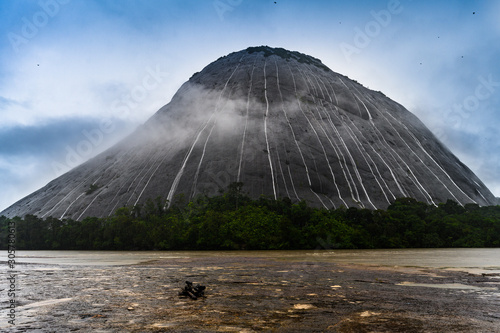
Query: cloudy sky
78,75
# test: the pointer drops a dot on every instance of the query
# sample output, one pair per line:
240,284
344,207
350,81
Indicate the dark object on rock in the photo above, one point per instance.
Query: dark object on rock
91,315
191,291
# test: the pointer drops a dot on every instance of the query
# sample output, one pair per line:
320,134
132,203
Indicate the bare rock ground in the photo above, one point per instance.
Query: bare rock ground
251,294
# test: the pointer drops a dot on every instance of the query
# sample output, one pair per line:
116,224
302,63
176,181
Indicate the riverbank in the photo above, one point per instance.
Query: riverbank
246,294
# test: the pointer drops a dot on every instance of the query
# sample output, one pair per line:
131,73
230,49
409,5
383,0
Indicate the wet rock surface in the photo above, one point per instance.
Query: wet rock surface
252,294
281,123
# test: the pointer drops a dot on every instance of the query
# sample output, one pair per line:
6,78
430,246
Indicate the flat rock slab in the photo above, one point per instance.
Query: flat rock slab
253,294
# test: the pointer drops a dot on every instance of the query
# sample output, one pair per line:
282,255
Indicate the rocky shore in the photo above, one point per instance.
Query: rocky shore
251,294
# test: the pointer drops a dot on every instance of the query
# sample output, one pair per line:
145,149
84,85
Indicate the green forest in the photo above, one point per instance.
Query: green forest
233,221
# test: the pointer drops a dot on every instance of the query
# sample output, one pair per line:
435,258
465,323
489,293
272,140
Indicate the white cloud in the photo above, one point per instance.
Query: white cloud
59,81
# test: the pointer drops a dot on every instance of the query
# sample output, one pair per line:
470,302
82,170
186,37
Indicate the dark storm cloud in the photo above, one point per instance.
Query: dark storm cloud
48,139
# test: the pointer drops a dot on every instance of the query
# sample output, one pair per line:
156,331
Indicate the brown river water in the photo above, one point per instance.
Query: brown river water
470,260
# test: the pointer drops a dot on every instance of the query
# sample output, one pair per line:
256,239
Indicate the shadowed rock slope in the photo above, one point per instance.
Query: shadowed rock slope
282,123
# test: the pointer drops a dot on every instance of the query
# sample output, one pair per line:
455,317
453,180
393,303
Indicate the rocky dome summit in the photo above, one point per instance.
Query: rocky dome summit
281,123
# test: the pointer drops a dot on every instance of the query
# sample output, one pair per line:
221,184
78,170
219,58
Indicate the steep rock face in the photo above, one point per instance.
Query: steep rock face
283,124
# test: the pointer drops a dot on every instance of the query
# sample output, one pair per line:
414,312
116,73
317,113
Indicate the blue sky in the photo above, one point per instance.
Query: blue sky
76,76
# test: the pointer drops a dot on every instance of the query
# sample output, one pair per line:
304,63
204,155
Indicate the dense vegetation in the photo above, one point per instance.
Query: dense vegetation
231,220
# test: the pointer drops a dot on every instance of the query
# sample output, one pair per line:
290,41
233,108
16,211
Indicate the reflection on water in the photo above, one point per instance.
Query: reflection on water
477,260
94,257
444,286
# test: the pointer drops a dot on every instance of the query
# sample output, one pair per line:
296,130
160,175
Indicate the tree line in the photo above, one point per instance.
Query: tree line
233,221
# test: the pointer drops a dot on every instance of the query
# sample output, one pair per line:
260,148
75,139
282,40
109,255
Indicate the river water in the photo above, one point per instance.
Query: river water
471,260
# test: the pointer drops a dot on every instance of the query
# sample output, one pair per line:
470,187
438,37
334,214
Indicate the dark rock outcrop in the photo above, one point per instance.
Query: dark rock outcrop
282,123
